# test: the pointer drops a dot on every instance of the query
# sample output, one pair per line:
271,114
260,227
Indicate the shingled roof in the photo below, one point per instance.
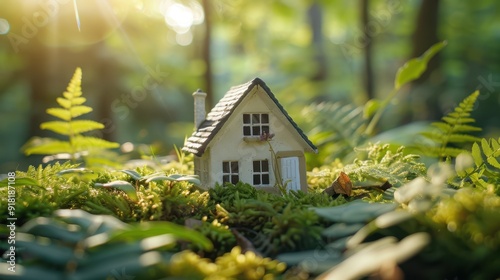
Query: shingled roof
215,120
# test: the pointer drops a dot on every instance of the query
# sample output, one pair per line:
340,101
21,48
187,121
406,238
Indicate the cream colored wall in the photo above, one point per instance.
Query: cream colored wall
228,144
202,169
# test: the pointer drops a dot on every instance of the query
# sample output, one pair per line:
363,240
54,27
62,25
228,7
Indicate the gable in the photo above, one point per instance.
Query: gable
219,115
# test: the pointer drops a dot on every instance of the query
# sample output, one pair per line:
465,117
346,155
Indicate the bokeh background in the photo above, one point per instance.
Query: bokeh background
142,59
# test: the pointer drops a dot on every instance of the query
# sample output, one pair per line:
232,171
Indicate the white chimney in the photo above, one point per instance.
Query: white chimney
200,112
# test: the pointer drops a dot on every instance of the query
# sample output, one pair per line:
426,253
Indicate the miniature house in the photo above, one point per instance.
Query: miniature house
228,146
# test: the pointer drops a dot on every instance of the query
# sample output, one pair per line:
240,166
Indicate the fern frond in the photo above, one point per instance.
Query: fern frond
71,127
485,171
71,107
338,127
487,153
454,129
74,88
88,142
68,114
44,146
384,165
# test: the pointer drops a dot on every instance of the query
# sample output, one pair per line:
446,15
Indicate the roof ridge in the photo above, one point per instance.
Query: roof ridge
219,114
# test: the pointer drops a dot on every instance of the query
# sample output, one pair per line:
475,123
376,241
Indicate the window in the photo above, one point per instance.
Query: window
255,124
230,172
260,172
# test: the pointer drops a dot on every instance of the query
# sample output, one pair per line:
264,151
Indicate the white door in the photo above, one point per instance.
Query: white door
290,172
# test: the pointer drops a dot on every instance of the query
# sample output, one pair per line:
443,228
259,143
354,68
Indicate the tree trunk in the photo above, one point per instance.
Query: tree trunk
424,97
207,40
425,34
368,81
316,23
36,72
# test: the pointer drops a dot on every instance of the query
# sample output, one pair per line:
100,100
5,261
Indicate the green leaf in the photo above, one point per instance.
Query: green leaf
65,103
495,145
121,185
52,229
149,229
494,162
68,95
160,178
175,176
441,126
370,108
486,147
453,129
78,101
354,212
44,146
47,252
454,118
101,161
88,142
77,111
415,67
98,223
71,128
24,181
191,179
342,230
476,154
466,128
133,174
63,114
75,171
339,244
449,151
438,137
369,259
321,259
460,138
115,250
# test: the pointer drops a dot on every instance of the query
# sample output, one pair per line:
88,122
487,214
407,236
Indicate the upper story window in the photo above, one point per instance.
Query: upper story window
255,124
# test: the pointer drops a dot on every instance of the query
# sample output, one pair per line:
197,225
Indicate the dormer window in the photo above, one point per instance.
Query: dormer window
255,124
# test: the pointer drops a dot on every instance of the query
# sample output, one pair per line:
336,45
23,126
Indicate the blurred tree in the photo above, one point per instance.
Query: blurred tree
425,34
207,51
315,17
368,31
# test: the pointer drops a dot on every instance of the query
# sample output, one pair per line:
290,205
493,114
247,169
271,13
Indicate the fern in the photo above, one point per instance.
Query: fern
339,128
77,144
484,171
453,129
42,190
383,165
490,150
65,247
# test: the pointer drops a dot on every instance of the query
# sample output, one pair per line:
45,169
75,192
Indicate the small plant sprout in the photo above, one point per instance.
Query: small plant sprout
280,185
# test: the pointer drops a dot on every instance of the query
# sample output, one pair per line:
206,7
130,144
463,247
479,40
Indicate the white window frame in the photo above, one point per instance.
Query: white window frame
253,125
261,174
230,172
